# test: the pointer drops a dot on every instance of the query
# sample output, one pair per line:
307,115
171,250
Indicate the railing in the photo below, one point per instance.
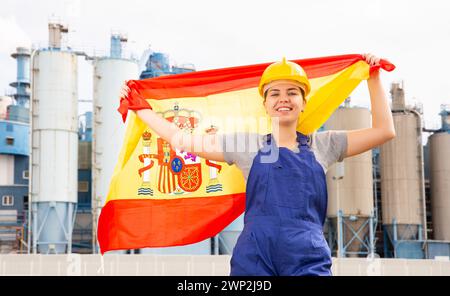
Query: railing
13,229
12,239
90,51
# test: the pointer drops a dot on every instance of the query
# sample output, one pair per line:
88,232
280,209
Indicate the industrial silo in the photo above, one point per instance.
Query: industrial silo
401,172
110,74
14,161
440,178
54,146
20,111
350,189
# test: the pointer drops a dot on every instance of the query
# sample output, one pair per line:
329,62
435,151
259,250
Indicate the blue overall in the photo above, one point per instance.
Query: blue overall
286,205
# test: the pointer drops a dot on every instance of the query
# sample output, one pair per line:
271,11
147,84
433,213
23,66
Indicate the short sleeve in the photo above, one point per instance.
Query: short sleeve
240,149
330,146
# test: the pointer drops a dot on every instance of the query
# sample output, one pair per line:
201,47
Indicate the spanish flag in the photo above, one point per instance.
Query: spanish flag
160,196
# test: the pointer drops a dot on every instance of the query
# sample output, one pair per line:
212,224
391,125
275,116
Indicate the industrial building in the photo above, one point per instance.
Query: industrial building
14,159
56,165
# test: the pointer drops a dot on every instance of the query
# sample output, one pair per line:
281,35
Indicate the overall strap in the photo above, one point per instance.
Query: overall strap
302,140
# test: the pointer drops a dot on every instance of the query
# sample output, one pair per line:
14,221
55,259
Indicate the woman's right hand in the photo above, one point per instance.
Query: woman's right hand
130,99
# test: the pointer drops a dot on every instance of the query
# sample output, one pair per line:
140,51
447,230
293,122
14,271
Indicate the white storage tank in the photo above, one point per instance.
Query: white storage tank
54,159
110,74
108,128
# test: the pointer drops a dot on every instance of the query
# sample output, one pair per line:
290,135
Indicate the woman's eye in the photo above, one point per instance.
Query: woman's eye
274,95
293,94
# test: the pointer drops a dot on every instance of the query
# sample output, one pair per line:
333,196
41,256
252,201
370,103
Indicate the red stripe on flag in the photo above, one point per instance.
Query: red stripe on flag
203,83
131,223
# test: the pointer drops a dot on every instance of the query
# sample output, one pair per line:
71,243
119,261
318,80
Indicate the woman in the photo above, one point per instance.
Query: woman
286,196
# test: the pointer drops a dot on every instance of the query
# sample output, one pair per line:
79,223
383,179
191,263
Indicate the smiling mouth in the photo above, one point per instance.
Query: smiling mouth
283,109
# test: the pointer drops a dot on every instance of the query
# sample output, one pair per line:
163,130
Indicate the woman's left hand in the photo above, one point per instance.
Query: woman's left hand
383,129
371,59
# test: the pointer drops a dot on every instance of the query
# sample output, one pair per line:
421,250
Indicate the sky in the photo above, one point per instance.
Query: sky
414,35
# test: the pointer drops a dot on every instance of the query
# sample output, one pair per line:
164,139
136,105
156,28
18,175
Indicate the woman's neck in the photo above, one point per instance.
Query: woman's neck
285,136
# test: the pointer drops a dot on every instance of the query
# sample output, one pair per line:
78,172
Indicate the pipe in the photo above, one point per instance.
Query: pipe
83,54
340,221
216,244
94,172
34,207
70,219
30,159
427,130
394,236
371,245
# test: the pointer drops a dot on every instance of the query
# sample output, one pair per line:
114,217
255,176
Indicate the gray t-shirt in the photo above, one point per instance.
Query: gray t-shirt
241,148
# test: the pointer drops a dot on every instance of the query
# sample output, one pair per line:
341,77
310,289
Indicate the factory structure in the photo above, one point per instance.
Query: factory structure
14,158
56,165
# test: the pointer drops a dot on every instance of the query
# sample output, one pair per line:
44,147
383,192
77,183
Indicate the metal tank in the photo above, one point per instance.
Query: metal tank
54,143
350,189
401,172
440,178
110,74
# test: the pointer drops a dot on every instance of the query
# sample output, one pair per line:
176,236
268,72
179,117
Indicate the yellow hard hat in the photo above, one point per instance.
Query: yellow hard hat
284,70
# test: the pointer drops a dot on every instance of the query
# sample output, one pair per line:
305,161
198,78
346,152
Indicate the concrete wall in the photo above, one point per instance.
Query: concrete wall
185,265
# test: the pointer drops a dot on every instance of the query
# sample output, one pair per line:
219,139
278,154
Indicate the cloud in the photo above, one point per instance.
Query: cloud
12,35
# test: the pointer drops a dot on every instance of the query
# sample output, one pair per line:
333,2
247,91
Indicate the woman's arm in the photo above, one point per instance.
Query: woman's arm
382,129
206,146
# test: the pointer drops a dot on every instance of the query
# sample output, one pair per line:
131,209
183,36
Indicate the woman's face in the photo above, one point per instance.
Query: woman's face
284,100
